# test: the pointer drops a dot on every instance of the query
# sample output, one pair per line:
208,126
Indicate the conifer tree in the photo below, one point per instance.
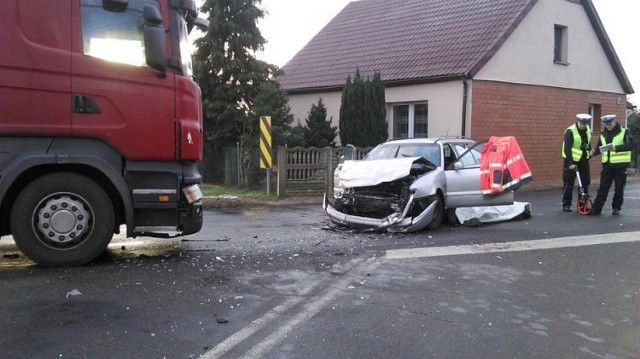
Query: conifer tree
363,112
346,122
360,124
319,132
229,74
269,101
379,110
296,138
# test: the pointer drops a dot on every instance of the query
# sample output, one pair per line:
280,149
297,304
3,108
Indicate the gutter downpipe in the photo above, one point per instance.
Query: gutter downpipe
465,95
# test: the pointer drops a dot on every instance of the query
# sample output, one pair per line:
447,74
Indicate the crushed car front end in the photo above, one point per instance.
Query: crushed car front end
398,195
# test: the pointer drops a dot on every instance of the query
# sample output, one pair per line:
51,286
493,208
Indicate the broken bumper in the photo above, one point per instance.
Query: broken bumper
396,222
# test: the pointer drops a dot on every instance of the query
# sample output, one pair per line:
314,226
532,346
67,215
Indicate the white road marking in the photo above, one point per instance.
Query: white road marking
313,307
277,312
563,242
255,326
309,311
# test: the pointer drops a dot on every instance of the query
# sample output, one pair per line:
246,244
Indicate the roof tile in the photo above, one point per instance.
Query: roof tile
403,39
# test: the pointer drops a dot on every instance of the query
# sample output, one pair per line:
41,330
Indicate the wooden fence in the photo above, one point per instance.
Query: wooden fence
308,171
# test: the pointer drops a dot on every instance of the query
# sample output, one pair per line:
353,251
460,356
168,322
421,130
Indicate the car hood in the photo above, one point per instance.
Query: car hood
373,172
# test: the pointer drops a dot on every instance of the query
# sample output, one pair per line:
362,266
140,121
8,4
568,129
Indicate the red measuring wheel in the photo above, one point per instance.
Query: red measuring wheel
584,201
584,205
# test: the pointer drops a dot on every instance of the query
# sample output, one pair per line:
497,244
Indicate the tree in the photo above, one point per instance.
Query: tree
228,72
361,126
347,121
270,101
363,111
378,110
633,122
319,132
296,138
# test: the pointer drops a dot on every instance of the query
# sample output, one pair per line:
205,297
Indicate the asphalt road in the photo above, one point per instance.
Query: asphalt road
282,282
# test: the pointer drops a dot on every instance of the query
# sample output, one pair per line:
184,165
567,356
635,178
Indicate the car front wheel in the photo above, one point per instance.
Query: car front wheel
438,215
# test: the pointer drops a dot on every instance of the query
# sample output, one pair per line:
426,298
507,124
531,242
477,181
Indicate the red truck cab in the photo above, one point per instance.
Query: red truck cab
100,124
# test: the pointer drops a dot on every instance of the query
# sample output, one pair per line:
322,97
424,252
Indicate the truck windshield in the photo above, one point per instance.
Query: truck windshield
114,35
184,45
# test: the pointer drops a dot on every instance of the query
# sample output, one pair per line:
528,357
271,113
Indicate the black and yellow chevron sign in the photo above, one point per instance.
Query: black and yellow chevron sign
265,142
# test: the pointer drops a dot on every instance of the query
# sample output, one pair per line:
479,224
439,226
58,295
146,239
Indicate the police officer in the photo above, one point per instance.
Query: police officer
575,151
615,146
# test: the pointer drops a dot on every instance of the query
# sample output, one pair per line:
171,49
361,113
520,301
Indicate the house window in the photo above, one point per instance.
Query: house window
401,121
420,120
411,120
560,44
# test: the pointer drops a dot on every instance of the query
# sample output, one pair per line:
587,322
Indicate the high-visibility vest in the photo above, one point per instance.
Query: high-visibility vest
576,148
616,157
502,166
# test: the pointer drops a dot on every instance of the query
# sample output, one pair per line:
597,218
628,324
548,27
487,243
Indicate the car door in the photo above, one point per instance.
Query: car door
463,182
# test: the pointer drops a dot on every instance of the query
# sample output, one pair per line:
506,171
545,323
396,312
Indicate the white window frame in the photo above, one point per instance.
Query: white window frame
411,119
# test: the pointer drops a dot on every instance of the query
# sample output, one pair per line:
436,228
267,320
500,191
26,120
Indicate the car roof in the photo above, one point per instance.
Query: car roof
444,139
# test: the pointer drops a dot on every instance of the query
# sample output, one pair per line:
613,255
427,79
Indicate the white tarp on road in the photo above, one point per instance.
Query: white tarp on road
492,214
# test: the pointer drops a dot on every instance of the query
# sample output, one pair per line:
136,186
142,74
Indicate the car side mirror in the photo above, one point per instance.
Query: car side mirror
457,165
348,153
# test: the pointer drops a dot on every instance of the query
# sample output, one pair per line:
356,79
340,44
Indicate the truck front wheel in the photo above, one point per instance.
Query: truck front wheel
62,219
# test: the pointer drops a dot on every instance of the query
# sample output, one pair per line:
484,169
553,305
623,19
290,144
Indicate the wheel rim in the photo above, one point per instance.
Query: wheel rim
62,220
584,206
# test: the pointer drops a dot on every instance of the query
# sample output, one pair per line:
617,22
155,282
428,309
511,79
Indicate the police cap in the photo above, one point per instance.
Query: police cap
608,119
583,117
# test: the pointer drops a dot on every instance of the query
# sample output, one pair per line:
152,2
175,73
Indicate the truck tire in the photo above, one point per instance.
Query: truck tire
62,219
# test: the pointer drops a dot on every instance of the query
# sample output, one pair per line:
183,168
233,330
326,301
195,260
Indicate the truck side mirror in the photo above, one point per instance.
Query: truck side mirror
191,14
201,24
155,39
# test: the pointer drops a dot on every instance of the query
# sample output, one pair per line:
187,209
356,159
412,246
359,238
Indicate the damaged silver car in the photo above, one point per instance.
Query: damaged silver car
409,185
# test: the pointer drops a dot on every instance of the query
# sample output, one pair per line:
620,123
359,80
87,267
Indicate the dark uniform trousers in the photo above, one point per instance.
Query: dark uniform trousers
616,176
569,178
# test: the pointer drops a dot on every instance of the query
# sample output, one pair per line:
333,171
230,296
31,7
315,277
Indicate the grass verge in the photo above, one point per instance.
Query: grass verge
214,190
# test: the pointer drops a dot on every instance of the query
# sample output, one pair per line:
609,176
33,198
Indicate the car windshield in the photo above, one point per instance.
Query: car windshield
430,151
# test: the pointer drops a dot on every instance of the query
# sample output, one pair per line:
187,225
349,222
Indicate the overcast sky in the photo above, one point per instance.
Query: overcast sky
290,24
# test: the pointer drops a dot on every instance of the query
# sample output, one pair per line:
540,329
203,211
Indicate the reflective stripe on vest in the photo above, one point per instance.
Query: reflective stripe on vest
576,148
616,157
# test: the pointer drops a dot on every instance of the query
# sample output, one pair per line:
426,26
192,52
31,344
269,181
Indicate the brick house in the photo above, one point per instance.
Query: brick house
468,67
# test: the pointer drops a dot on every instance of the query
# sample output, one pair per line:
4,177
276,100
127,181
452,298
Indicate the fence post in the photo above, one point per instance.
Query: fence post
282,171
328,157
